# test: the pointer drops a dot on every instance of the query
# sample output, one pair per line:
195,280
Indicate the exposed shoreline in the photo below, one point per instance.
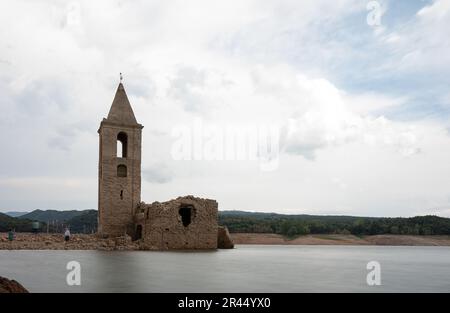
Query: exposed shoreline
326,239
42,241
28,241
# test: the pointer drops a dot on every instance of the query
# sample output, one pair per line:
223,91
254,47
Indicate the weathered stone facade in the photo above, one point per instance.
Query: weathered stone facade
119,171
224,240
183,223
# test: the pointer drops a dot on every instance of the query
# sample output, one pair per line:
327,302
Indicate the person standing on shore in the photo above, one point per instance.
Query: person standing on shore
67,234
11,235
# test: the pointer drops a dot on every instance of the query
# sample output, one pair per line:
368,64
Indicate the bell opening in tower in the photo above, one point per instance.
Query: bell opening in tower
122,145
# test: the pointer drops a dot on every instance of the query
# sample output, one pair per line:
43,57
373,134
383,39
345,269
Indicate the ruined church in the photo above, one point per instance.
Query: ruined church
183,223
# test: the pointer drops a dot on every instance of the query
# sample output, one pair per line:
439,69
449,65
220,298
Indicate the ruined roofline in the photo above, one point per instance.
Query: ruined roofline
180,198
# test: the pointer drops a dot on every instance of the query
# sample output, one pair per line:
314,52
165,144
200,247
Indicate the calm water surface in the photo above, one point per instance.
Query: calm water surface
248,268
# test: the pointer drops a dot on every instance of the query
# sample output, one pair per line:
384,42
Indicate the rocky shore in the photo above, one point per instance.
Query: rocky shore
27,241
41,241
11,286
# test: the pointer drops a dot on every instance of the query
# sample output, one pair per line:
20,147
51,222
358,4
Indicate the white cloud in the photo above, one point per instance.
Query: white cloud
227,62
421,45
157,173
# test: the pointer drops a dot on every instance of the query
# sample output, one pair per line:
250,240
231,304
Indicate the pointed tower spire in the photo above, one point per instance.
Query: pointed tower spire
119,179
121,111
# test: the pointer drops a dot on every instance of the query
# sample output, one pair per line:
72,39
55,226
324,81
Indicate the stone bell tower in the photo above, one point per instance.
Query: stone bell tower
119,169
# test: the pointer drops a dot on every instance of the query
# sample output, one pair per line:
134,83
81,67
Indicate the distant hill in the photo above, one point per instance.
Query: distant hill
54,221
251,222
84,223
15,213
51,215
7,222
294,225
271,215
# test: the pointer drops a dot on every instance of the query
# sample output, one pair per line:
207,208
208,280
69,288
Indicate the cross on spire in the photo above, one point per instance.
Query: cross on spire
121,77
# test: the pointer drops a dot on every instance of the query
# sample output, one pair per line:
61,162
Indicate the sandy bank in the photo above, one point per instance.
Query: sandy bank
392,240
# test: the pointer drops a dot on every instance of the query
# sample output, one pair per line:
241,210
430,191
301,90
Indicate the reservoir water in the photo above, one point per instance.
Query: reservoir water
247,268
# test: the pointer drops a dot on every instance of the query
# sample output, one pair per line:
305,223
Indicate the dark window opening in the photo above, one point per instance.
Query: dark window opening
121,170
121,195
122,145
186,215
138,232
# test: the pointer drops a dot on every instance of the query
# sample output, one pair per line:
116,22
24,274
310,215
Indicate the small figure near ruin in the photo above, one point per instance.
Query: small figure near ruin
67,235
183,223
11,235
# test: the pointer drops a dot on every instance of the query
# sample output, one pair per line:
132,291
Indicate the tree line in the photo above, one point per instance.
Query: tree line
250,222
295,225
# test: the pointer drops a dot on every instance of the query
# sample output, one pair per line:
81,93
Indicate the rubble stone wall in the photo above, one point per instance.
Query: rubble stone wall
183,223
224,240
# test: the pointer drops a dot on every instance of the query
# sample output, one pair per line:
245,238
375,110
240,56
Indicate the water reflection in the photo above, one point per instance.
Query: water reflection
244,269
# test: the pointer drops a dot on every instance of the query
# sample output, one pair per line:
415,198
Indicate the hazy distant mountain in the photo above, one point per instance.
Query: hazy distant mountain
250,222
302,224
15,213
84,223
271,215
51,215
7,222
79,221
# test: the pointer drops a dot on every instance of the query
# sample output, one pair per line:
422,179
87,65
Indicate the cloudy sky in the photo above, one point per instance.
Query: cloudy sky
359,92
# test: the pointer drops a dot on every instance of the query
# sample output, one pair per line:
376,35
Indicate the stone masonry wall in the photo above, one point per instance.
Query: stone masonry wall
118,196
164,226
